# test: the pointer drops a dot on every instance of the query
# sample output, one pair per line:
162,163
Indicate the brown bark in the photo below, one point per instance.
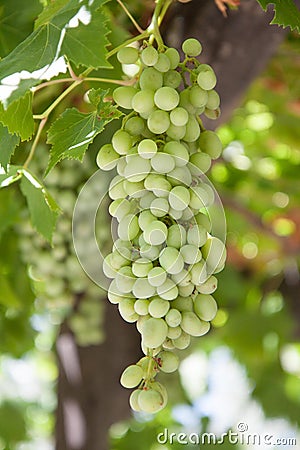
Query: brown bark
89,395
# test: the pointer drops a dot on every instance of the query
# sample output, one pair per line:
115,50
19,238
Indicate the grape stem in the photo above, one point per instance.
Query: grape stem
127,12
149,368
158,15
35,142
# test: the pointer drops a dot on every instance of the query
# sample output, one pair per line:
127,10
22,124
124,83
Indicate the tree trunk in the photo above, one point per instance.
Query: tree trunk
90,398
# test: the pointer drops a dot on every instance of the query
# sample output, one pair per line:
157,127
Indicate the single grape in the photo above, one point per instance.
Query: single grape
205,307
162,162
128,227
133,400
158,307
132,376
182,342
168,361
209,142
123,96
173,56
192,325
143,289
158,122
163,63
141,307
107,158
178,152
206,77
151,79
126,310
179,198
150,401
176,236
209,286
198,97
154,332
191,47
147,148
155,233
213,100
172,79
149,56
135,126
173,317
128,55
166,98
141,267
171,260
157,276
191,254
168,290
122,142
137,168
159,207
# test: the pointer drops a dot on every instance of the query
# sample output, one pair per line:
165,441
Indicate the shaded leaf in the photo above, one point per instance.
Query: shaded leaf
9,209
8,143
42,207
18,117
12,175
72,133
286,13
8,297
76,30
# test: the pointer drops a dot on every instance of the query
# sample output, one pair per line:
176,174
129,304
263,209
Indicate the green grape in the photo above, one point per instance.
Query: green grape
150,401
134,189
191,254
192,130
158,185
128,227
185,101
149,56
158,122
212,113
183,278
133,400
123,96
143,101
146,200
151,79
116,188
171,260
191,47
141,320
174,332
198,272
168,361
173,56
176,236
147,148
192,325
154,332
128,55
182,342
163,63
213,100
166,98
214,252
159,207
141,307
205,306
162,390
120,257
186,291
179,116
121,164
196,235
168,290
176,133
209,286
155,233
143,289
108,270
176,215
206,77
126,310
173,317
199,197
107,158
157,276
135,126
179,176
137,168
132,376
145,219
179,198
119,208
187,214
178,152
199,163
172,79
183,304
125,279
141,267
150,252
209,142
203,221
198,97
158,307
162,162
121,142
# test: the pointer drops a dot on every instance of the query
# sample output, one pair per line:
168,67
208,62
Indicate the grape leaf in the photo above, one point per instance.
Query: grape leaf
286,13
12,175
8,297
72,133
77,30
8,143
18,117
16,26
42,207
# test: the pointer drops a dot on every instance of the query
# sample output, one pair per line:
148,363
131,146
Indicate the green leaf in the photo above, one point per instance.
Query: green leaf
18,117
16,26
42,207
8,143
72,133
9,209
12,175
8,297
286,13
77,30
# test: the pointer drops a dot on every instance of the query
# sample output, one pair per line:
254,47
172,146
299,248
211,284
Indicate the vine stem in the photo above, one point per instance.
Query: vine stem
35,142
150,354
127,12
100,80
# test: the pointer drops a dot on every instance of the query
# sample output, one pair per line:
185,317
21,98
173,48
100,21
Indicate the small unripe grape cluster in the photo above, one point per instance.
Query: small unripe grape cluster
61,286
163,263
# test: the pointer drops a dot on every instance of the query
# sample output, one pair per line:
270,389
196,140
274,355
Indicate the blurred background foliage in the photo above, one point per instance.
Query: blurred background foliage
248,368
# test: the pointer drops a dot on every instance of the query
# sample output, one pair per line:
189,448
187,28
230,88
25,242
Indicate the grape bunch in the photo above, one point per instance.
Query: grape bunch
163,262
61,286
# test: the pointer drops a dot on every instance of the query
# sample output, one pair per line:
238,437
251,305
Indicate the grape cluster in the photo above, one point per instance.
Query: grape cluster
163,263
61,286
